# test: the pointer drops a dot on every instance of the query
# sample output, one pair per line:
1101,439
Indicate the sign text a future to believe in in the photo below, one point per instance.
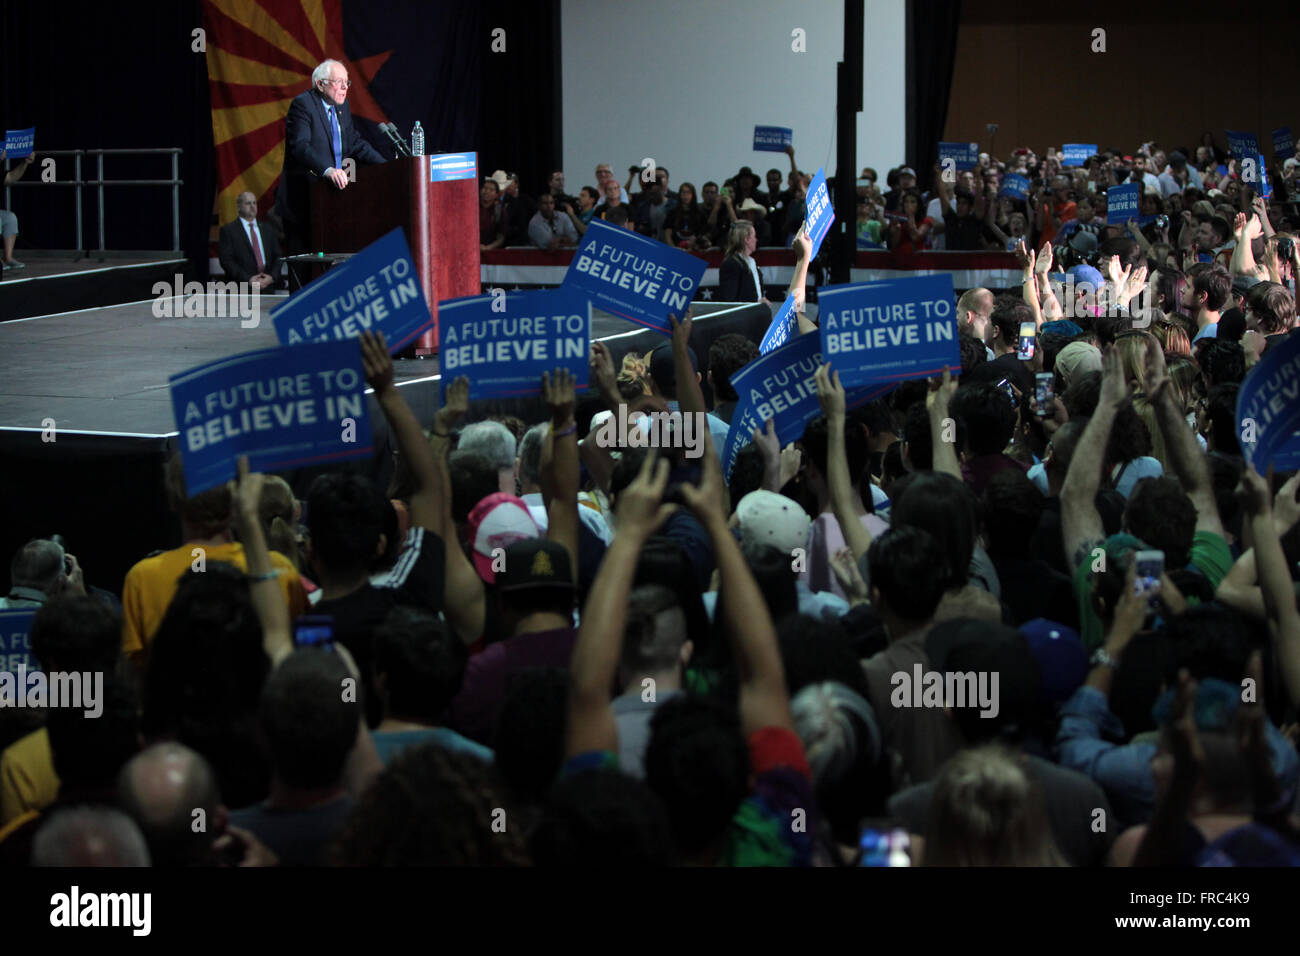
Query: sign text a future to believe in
877,332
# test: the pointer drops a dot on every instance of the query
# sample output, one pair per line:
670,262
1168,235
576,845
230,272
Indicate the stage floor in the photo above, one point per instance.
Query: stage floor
105,370
45,267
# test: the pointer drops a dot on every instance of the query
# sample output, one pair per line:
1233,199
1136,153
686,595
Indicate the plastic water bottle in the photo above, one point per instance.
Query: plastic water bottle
417,139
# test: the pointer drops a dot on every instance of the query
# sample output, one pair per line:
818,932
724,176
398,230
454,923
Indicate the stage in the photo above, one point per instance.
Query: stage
50,283
86,419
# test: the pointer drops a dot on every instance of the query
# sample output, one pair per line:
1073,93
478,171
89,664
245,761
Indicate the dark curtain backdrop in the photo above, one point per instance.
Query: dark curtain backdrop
109,75
931,48
520,107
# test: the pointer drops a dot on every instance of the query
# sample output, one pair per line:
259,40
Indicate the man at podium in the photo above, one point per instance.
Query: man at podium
319,136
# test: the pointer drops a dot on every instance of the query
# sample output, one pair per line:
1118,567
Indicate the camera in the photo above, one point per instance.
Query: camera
1285,248
1162,222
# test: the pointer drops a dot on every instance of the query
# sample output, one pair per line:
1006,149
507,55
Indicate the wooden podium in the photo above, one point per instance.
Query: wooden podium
440,220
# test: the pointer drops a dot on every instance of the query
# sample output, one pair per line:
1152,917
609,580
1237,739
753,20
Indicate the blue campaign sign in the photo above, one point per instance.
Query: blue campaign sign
633,276
1283,143
15,643
376,289
877,332
820,212
1076,154
963,155
1015,186
20,143
780,385
1123,203
772,139
1268,409
1242,144
783,327
1265,187
281,407
503,342
445,167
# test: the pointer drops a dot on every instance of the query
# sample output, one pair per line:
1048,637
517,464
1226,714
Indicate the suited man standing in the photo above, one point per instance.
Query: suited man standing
248,251
319,136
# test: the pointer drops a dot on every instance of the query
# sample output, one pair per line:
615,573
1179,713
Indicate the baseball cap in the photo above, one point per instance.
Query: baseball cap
1177,159
767,518
498,521
1244,283
662,369
536,563
1076,358
907,171
1083,241
1089,274
1062,661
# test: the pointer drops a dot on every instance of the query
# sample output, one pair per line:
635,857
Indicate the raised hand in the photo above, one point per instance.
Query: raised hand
1131,609
768,445
602,368
376,361
1114,274
246,493
941,390
558,393
846,572
1252,492
1044,264
1114,390
1286,507
1024,257
455,407
681,331
1157,373
1239,226
830,393
640,505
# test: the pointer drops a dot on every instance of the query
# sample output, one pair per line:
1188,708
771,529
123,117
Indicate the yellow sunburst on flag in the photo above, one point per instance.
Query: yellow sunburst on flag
260,56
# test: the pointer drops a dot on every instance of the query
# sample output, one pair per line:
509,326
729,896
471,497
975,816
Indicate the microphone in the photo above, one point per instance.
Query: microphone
395,135
397,145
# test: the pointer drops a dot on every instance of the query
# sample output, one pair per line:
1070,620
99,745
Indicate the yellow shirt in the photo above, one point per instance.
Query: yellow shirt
151,585
27,778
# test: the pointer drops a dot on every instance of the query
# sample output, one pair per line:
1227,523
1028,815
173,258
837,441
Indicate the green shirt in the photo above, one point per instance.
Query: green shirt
1209,555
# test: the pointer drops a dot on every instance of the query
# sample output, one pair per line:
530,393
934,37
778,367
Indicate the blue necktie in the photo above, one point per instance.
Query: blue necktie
338,142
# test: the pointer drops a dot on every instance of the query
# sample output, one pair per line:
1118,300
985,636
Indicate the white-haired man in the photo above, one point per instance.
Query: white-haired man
319,137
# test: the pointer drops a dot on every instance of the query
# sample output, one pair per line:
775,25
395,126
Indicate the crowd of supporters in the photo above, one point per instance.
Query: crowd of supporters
525,646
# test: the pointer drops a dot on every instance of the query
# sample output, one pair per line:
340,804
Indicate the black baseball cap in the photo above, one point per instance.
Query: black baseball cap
536,563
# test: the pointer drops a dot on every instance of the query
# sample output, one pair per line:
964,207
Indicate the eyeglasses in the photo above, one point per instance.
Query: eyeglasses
346,84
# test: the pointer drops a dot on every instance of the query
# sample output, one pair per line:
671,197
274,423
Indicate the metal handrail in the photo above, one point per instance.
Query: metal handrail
100,182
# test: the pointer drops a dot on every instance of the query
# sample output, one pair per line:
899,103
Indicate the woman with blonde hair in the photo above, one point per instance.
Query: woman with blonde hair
1133,348
986,811
739,278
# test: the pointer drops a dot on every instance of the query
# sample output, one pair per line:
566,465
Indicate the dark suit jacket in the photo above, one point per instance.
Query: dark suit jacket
236,252
309,151
735,284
